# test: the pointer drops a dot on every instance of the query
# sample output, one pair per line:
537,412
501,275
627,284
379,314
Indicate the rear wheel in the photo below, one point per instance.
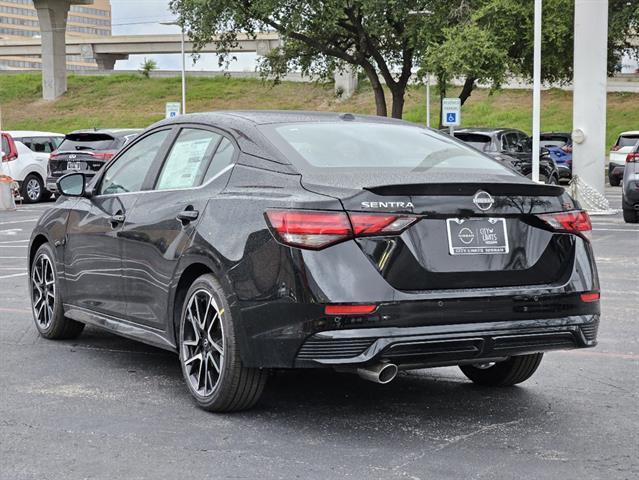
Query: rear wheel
630,215
515,370
32,189
46,303
209,352
614,181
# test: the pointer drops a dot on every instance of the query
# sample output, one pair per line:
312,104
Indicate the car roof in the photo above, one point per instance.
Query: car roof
263,117
486,130
629,132
32,133
114,132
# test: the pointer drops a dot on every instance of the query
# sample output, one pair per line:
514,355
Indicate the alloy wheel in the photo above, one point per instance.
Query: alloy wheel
202,342
33,189
43,290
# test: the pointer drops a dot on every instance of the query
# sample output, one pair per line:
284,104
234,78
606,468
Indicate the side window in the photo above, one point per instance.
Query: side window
128,172
509,142
189,157
57,141
222,158
40,145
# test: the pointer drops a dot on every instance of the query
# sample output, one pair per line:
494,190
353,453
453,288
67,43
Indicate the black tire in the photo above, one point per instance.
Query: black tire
630,215
46,302
236,386
515,370
614,182
32,189
554,180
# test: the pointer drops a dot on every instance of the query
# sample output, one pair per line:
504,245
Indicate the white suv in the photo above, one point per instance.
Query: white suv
620,150
27,167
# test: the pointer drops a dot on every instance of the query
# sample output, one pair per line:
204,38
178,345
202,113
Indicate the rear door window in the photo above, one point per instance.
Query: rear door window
39,144
188,159
223,158
479,141
627,141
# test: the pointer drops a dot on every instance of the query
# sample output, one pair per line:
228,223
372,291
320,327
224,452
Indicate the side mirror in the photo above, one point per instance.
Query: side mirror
71,185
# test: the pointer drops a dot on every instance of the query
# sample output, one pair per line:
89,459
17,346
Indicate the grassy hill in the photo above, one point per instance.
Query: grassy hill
127,100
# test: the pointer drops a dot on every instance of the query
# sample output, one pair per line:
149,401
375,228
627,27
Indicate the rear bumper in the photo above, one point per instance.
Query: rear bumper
565,172
442,345
615,170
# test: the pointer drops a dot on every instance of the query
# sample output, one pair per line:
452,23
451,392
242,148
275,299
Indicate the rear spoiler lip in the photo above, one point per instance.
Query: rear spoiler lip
467,189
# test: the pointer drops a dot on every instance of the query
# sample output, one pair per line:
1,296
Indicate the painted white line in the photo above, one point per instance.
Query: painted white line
13,258
20,269
13,241
14,246
13,275
614,230
19,221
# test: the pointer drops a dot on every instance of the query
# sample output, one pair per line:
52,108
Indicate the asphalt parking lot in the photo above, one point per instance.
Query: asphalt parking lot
105,407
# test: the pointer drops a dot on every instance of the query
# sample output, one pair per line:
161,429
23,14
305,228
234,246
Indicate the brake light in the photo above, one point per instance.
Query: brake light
12,154
53,154
103,155
589,297
318,229
573,222
632,157
349,309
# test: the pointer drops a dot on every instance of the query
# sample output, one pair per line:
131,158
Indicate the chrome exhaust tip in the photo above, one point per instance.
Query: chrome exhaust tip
382,373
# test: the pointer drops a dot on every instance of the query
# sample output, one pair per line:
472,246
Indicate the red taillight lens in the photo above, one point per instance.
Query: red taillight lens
378,224
12,152
53,154
589,297
309,229
103,156
632,158
349,309
318,229
573,222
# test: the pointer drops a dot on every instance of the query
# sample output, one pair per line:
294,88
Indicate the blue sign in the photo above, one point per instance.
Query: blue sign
172,114
451,117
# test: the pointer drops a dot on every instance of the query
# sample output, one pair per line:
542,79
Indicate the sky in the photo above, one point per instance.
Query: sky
138,17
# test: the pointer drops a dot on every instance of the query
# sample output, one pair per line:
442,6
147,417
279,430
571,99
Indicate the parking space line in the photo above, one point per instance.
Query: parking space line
13,275
28,220
614,230
6,242
586,353
13,258
14,310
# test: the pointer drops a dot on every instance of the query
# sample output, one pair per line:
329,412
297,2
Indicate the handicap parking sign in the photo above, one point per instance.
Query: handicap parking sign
451,118
451,112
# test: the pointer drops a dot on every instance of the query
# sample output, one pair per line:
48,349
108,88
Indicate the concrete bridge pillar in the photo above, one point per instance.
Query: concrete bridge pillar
107,61
52,15
346,82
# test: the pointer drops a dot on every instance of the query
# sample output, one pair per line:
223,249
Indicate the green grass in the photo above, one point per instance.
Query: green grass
126,100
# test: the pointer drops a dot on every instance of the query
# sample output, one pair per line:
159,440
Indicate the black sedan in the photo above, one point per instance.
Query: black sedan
511,147
249,241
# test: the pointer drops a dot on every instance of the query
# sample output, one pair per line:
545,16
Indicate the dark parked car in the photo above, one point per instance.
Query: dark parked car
511,147
86,151
246,241
559,146
630,191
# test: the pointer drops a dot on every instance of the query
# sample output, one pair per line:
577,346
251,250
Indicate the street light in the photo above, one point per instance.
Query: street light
183,63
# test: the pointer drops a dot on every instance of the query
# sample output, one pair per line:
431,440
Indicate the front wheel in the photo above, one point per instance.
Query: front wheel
614,181
630,215
209,352
515,370
46,302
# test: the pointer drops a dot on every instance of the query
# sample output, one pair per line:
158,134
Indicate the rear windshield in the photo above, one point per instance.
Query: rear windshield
627,140
88,141
379,146
479,141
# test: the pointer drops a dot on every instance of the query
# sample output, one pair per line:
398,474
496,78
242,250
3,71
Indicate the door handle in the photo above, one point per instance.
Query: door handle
187,215
117,219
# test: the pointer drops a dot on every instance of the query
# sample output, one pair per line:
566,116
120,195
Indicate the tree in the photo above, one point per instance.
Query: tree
320,36
147,67
493,39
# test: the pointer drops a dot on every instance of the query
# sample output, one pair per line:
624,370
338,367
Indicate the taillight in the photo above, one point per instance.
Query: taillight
577,221
103,155
632,157
318,229
53,154
12,154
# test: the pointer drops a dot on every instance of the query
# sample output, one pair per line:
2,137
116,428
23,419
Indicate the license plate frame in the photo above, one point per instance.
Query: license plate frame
477,236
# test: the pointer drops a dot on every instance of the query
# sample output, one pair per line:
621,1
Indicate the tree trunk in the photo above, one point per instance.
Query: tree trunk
467,89
398,102
441,87
378,90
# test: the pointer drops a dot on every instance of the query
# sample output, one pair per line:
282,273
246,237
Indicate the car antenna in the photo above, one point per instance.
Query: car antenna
347,116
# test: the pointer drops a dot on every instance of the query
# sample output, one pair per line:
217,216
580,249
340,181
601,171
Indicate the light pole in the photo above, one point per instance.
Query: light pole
422,13
536,120
183,63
